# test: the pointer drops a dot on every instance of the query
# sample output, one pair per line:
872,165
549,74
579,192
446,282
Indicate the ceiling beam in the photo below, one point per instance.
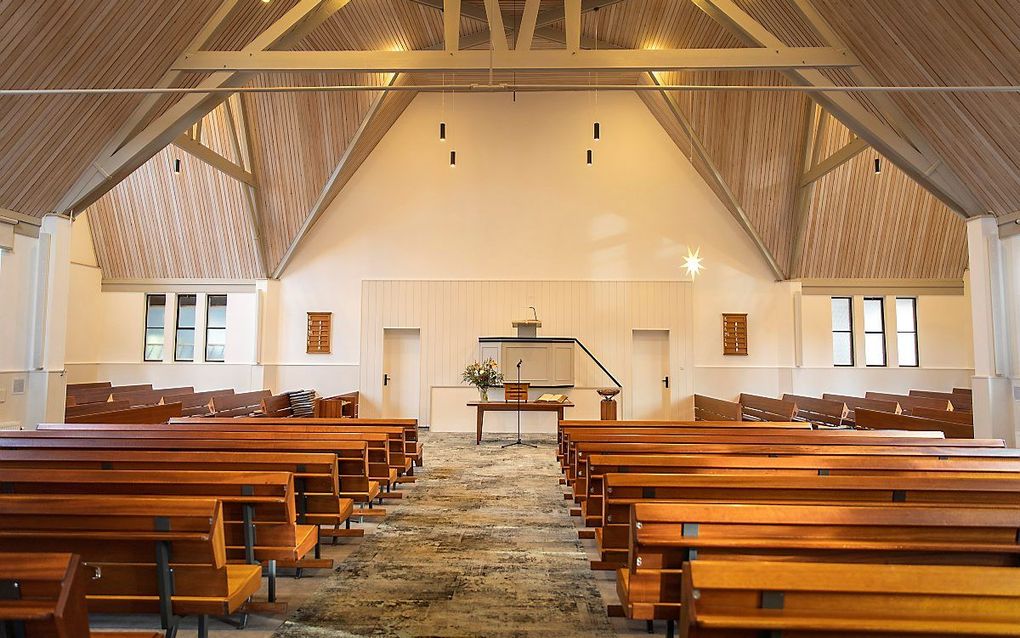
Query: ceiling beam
494,16
290,29
385,110
711,172
572,21
241,131
201,152
451,25
531,60
529,21
929,172
849,151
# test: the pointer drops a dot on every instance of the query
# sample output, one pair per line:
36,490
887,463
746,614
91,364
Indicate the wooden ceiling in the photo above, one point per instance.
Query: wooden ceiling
849,223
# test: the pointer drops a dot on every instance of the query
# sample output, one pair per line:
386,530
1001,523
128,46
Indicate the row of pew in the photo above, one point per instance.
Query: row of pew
735,529
193,517
948,412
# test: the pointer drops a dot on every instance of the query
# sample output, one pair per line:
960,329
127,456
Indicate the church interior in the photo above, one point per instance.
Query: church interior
509,318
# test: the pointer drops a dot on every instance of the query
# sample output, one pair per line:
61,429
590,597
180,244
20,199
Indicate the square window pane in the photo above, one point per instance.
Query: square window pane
216,337
905,315
906,344
840,313
186,311
874,349
842,354
154,337
217,312
154,352
214,353
186,337
872,315
185,352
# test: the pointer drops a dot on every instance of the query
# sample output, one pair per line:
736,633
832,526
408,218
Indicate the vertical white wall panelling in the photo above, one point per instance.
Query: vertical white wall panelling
602,314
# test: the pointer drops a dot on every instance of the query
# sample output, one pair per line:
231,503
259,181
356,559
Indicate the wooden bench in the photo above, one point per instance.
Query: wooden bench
710,409
749,600
42,596
90,395
148,414
339,406
243,404
73,388
908,403
622,491
413,447
758,408
277,405
84,409
819,411
139,398
664,537
197,404
959,401
156,554
316,475
956,416
878,420
259,507
852,403
599,466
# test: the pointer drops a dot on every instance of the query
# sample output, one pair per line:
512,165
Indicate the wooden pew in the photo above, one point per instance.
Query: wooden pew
259,507
748,600
820,411
665,536
757,408
352,455
339,406
91,395
399,460
879,420
599,466
46,598
197,404
959,401
698,425
138,541
622,491
95,408
148,414
277,405
243,404
852,403
908,403
414,448
316,475
73,388
153,397
956,416
711,409
965,392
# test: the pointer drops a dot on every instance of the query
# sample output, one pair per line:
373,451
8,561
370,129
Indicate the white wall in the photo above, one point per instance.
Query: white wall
521,205
17,290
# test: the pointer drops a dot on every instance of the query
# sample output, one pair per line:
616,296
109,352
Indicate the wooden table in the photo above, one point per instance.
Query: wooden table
513,406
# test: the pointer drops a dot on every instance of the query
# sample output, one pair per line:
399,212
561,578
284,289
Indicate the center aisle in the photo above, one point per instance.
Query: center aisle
482,546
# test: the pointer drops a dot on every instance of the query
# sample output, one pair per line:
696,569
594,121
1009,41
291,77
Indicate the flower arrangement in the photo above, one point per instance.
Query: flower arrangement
483,376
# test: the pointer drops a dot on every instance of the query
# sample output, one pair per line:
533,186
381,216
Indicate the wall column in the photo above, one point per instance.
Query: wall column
991,267
47,382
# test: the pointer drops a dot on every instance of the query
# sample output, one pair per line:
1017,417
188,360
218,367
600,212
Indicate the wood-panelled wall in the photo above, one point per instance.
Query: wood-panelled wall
453,314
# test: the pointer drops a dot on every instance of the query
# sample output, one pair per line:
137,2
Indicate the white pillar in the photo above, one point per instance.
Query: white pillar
46,378
992,270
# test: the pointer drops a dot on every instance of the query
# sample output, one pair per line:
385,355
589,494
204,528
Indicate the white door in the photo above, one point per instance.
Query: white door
649,381
401,373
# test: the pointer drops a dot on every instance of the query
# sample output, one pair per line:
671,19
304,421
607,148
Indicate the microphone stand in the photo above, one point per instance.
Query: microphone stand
519,441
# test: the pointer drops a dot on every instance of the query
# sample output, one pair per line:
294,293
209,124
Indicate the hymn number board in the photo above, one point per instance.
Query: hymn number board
734,331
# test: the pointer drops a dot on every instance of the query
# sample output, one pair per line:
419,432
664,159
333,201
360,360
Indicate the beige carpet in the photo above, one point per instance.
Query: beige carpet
483,546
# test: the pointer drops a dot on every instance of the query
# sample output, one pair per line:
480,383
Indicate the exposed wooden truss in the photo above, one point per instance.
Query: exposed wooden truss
304,17
505,60
928,171
191,145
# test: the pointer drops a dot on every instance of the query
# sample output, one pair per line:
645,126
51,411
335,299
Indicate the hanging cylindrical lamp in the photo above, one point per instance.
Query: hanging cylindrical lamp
453,158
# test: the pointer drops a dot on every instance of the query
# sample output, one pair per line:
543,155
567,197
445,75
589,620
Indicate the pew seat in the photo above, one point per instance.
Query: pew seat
810,600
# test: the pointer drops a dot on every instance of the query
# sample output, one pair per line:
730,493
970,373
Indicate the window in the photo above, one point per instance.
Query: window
874,331
319,329
184,346
906,332
215,327
155,320
842,331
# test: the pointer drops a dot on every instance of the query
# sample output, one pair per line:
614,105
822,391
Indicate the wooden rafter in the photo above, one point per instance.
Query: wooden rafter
929,171
240,131
497,32
304,17
572,21
199,151
529,21
839,157
451,25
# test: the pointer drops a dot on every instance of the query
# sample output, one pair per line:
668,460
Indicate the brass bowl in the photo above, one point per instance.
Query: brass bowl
608,393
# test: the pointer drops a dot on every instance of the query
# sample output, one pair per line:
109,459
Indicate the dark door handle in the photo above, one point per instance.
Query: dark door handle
665,381
385,379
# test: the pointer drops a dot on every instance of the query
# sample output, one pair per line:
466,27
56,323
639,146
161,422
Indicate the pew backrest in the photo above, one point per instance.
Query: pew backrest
880,420
908,403
147,414
821,411
852,403
241,404
46,595
759,408
712,409
95,408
